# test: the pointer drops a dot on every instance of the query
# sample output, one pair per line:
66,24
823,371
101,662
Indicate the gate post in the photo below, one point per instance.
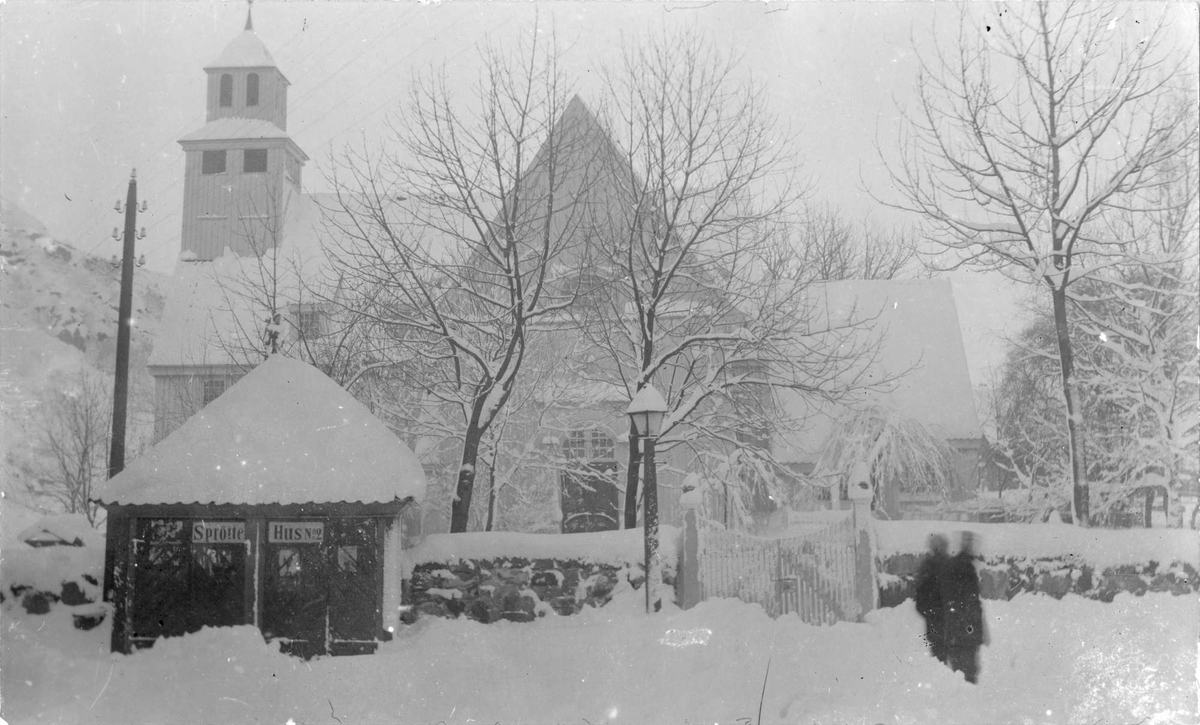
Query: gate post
687,578
866,592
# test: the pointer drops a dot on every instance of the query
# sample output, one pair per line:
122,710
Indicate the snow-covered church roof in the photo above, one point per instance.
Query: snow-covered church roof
920,346
284,434
214,314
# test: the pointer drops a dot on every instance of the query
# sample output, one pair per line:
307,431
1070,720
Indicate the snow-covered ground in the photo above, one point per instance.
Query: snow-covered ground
1068,661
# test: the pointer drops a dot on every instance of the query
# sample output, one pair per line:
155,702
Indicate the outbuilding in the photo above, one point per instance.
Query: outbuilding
278,505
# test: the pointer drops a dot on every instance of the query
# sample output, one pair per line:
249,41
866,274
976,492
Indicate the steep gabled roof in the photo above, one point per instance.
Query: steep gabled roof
284,434
919,340
591,176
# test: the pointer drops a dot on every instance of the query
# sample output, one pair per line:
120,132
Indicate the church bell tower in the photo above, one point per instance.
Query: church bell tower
241,166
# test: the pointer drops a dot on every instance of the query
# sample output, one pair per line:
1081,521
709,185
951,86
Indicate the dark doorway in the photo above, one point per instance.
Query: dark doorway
294,602
323,586
183,582
589,498
355,586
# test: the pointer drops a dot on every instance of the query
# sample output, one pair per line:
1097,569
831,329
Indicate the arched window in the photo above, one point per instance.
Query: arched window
252,89
594,444
226,90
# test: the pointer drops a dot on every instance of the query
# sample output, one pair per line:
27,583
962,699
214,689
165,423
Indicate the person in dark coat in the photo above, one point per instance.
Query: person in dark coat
928,596
965,630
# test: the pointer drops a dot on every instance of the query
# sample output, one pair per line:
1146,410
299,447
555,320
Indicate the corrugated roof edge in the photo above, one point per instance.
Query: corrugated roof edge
407,500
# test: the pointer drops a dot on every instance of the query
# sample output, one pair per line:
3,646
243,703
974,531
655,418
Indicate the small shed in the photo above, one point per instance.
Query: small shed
276,505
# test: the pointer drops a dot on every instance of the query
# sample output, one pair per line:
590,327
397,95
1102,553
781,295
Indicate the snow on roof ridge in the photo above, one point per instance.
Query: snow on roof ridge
236,127
246,50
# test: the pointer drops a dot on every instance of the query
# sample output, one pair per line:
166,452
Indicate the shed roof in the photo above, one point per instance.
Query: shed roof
919,343
284,434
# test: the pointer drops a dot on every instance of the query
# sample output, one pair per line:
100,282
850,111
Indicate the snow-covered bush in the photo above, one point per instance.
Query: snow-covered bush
37,578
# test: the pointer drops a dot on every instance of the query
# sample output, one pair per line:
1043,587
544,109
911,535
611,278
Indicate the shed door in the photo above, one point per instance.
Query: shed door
324,589
182,581
355,585
294,600
160,580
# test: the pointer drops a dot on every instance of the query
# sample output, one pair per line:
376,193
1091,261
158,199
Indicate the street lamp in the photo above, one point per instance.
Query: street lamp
646,410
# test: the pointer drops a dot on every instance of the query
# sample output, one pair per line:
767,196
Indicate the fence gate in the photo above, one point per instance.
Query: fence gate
810,572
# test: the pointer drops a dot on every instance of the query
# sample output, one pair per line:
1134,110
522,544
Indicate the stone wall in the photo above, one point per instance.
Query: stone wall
1003,577
491,576
517,589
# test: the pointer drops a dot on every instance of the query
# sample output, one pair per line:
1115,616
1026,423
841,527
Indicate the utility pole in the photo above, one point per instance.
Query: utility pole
116,455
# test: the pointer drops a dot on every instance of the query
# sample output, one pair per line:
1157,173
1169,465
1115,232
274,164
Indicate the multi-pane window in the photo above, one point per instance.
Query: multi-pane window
252,89
226,90
308,323
589,444
212,162
254,161
212,389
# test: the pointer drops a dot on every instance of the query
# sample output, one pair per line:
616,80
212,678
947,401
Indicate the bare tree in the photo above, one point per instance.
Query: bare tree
449,247
686,294
831,247
1134,328
71,426
1026,138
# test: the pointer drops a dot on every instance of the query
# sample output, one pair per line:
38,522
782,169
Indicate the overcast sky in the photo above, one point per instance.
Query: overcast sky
90,90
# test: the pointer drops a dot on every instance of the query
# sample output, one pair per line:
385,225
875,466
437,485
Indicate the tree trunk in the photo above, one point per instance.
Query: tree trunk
460,509
631,480
491,511
1148,511
1079,484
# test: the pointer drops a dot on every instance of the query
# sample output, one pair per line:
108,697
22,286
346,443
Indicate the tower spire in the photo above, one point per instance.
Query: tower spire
249,20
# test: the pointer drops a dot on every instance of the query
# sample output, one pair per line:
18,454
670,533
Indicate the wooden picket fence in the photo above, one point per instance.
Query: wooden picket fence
809,571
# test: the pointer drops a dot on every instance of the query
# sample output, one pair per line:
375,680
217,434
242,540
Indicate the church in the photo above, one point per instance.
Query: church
247,221
247,218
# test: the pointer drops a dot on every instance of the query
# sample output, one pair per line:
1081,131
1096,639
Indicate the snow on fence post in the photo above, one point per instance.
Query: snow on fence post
687,576
865,589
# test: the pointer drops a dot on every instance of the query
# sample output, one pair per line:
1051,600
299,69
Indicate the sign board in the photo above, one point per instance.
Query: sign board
295,532
219,532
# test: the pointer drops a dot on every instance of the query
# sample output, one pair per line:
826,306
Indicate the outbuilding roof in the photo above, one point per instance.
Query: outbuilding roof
283,434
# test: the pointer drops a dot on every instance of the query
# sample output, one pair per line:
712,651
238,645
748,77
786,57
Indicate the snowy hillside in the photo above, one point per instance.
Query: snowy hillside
58,316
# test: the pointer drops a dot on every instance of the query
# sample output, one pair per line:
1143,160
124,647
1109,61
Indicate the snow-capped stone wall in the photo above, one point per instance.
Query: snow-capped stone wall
37,579
1054,559
519,577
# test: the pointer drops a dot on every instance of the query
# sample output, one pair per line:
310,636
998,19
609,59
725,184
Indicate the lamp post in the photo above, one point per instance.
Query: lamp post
646,410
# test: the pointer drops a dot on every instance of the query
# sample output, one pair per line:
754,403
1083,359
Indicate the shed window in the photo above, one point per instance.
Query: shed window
226,90
252,89
213,387
254,161
212,162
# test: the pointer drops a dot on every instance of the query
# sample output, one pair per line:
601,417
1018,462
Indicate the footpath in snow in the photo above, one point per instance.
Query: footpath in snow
1051,661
